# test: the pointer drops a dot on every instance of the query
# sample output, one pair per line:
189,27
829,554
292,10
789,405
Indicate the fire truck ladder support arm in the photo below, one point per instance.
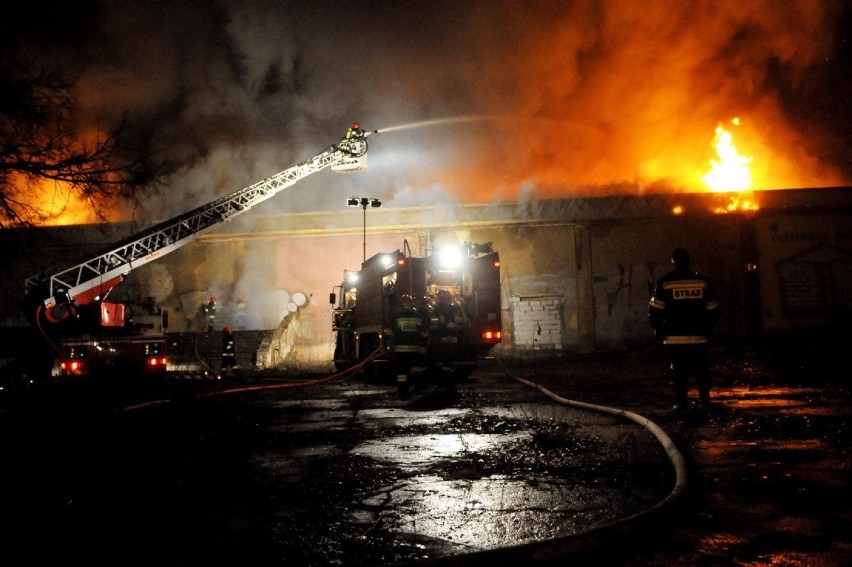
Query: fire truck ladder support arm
108,268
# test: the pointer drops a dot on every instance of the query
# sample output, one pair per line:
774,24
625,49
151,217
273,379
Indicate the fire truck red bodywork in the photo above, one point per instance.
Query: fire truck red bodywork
137,349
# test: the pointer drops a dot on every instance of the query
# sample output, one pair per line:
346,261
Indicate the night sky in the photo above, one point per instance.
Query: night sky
474,101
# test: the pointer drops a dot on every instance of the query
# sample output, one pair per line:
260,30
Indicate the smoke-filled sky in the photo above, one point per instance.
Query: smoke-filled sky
474,101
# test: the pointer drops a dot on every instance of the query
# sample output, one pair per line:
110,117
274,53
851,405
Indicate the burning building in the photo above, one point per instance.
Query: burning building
584,144
577,273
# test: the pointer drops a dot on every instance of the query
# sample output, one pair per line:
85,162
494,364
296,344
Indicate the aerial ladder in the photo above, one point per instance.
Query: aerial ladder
58,296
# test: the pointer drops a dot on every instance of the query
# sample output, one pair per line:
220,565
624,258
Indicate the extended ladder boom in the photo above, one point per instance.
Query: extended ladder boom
96,276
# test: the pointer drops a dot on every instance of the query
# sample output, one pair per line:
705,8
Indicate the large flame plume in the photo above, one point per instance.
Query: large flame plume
580,98
730,172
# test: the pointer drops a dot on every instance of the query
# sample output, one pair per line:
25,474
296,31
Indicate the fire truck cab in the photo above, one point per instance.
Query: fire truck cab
462,281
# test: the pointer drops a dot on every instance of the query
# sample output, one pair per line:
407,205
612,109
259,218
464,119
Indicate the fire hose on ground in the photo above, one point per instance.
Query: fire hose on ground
589,544
378,353
584,544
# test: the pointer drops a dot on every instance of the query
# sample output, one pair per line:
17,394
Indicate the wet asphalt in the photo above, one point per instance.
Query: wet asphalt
539,463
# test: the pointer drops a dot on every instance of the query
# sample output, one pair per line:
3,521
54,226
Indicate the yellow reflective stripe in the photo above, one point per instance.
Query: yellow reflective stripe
409,348
657,303
684,283
712,305
685,340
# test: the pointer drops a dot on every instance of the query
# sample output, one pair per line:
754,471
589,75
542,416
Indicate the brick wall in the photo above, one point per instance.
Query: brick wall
537,323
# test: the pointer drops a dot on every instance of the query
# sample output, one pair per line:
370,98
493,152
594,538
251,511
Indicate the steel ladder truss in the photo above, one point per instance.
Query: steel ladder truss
97,275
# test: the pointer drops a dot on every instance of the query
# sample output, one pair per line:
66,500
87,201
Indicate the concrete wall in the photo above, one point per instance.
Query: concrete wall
807,262
576,274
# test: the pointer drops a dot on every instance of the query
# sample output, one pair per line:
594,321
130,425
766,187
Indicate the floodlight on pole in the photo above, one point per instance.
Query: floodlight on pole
364,202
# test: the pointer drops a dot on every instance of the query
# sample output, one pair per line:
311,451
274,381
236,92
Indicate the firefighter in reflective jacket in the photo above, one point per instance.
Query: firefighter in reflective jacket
683,312
353,131
229,354
210,313
408,334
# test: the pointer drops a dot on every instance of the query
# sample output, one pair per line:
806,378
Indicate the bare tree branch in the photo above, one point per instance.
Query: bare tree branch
40,146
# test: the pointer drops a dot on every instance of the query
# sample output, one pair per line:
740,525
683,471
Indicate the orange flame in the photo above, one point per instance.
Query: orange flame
55,203
730,173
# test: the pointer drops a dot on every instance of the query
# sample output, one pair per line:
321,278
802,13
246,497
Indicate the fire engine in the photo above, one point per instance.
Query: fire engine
88,333
467,277
137,347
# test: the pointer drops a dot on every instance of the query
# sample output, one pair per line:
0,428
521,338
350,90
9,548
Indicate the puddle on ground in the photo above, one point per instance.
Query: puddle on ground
430,478
414,452
482,514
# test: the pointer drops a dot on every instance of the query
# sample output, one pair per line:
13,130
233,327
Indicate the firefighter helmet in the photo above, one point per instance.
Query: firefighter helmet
227,330
680,256
406,301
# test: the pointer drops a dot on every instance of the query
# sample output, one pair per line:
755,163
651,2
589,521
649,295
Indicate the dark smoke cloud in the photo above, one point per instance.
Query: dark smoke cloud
542,99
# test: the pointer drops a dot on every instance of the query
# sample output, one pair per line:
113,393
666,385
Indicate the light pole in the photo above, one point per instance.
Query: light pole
363,202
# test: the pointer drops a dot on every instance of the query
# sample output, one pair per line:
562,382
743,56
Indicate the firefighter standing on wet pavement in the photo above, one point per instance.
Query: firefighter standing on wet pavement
408,334
683,311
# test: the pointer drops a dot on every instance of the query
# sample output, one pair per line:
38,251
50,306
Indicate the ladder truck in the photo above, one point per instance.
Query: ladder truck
91,335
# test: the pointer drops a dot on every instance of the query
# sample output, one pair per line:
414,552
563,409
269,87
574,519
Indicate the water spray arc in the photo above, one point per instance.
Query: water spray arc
438,121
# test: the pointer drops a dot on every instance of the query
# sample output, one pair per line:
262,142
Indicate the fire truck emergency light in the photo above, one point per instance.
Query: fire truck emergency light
450,257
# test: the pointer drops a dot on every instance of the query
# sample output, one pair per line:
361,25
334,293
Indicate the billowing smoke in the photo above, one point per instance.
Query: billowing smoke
504,100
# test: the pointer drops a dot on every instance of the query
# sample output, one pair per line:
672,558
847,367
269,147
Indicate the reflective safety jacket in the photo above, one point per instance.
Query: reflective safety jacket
229,355
409,331
684,308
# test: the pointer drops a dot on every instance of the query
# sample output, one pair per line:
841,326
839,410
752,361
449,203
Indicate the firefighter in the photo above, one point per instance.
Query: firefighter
229,353
210,313
408,335
462,319
445,309
460,312
683,311
353,131
446,320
